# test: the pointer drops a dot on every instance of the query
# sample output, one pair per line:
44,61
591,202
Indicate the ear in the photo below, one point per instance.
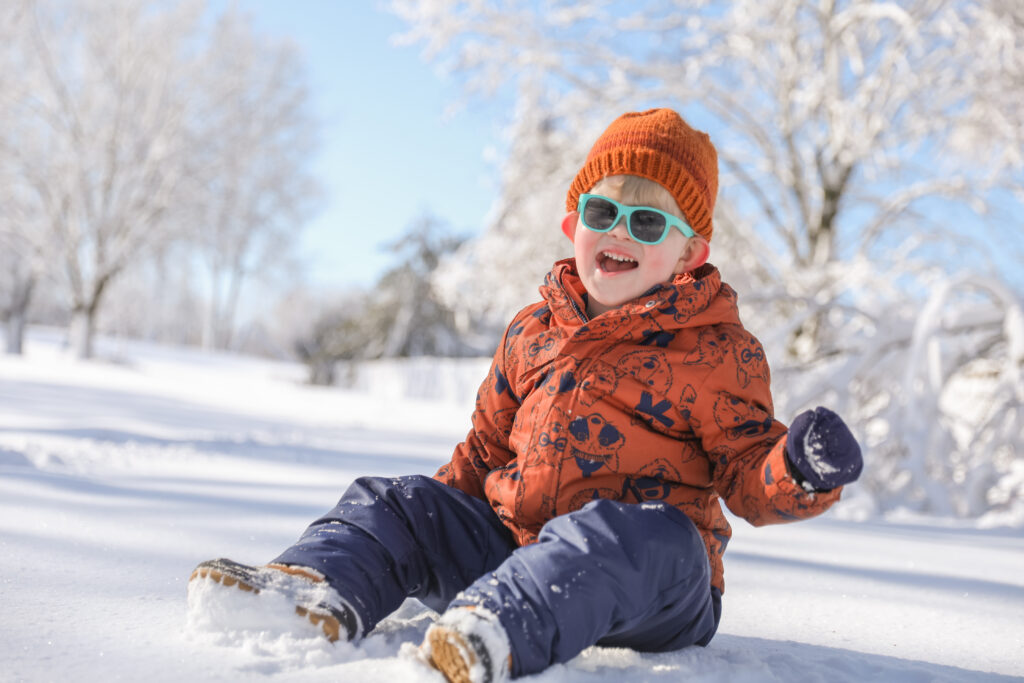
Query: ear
569,224
695,254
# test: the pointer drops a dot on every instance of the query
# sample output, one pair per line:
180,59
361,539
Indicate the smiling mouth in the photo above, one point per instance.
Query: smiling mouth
615,263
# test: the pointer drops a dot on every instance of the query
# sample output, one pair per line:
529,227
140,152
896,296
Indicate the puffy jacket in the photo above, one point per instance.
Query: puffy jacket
665,398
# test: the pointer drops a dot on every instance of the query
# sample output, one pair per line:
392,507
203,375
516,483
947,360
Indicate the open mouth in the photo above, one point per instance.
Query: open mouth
615,263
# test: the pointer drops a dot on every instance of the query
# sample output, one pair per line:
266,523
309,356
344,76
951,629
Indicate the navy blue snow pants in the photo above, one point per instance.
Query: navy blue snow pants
611,573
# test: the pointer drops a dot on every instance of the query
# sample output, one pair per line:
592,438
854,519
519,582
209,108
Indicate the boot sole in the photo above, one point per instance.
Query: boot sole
454,657
220,571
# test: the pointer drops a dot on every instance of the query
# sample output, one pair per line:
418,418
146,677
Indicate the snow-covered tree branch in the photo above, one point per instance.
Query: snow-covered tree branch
252,143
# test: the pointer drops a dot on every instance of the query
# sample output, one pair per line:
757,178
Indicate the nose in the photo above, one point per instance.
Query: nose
620,230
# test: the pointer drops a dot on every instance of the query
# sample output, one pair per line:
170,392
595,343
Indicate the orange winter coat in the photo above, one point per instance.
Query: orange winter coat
665,398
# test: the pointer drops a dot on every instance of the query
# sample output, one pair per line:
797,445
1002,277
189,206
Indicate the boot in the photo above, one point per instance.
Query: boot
306,589
468,645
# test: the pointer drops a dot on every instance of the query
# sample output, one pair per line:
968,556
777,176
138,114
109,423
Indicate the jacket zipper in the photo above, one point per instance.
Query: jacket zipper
572,302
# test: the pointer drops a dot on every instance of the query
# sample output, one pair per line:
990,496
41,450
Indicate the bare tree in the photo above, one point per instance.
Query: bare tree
18,279
134,126
101,137
401,316
254,138
19,267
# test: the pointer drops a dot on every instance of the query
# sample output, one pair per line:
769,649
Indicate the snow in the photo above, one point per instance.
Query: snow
118,476
814,451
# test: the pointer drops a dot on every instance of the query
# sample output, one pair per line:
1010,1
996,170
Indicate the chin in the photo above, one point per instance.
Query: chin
612,302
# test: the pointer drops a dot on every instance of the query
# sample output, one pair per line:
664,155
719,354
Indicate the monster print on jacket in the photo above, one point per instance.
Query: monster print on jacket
665,398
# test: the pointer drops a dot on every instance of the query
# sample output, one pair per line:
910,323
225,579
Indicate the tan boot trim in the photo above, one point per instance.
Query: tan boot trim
449,654
221,578
327,623
305,573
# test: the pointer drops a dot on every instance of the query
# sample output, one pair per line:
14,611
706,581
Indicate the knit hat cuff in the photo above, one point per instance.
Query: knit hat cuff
670,153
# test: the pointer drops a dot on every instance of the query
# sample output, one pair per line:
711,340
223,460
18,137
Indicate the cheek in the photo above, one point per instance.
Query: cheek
665,257
583,243
661,263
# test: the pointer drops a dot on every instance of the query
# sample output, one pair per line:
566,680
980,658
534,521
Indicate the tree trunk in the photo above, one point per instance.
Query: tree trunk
82,331
321,371
226,328
83,318
208,336
15,333
17,316
212,312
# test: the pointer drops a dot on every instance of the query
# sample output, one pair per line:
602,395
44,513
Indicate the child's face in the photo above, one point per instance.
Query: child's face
614,267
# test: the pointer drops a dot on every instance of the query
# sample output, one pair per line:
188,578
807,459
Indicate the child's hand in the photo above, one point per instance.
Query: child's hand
822,451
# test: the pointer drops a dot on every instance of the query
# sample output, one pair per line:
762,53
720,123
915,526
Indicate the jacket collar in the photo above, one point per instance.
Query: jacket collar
690,299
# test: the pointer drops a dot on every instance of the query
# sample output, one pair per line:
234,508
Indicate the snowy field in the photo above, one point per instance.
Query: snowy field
119,475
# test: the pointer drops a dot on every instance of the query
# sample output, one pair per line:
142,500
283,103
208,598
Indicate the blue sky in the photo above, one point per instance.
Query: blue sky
390,149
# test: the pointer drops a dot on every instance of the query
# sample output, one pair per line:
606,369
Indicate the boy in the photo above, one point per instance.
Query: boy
583,506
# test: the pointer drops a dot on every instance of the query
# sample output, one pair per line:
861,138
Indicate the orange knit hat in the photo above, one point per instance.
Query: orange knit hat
658,145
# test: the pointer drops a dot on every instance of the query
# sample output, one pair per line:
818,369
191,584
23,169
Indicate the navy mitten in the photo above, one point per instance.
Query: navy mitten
822,451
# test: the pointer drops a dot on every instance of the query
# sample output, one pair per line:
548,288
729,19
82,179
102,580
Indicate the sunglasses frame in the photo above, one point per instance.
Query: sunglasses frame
625,211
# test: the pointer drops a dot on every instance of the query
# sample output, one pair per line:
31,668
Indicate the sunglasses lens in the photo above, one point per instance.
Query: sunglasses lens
647,226
599,214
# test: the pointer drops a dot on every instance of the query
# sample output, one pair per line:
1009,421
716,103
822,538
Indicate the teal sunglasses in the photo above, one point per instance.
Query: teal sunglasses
645,224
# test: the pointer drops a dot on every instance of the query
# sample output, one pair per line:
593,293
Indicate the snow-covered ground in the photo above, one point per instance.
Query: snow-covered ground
118,476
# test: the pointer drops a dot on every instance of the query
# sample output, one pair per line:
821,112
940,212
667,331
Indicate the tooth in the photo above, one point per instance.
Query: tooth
617,257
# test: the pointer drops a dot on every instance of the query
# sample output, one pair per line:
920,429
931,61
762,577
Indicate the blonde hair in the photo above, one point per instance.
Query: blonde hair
637,191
